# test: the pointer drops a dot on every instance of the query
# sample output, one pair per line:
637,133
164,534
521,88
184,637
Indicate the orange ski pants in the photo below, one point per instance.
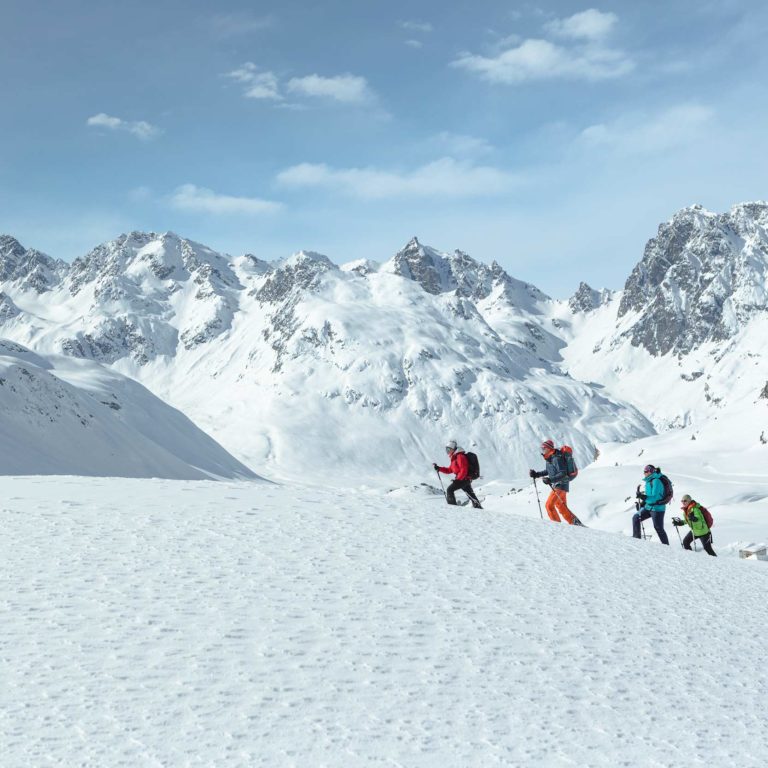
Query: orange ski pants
556,502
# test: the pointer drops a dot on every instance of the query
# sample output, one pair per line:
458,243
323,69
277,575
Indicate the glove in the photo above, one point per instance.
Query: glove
677,522
546,481
641,496
533,473
435,467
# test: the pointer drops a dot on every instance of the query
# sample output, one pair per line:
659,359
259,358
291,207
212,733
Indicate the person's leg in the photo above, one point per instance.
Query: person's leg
467,488
706,542
561,505
450,492
551,507
688,540
643,514
658,526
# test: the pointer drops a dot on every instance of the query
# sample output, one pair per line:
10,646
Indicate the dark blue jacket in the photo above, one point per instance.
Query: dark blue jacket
557,471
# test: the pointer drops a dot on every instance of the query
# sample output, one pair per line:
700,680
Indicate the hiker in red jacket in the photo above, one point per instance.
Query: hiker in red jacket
460,468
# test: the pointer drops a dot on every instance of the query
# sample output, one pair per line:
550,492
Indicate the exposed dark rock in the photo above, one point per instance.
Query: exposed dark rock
701,278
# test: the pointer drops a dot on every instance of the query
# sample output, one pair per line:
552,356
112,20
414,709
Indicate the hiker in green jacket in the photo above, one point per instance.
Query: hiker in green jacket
699,520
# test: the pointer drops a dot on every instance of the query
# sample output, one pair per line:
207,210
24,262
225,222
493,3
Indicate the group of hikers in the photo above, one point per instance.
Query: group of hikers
560,469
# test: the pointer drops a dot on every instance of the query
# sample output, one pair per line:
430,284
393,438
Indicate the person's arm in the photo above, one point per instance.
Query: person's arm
462,466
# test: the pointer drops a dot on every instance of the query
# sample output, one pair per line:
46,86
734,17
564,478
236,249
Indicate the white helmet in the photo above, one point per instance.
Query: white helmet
451,446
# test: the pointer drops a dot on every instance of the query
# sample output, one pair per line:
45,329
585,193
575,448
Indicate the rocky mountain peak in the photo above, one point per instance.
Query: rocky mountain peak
29,269
301,271
586,298
700,279
438,272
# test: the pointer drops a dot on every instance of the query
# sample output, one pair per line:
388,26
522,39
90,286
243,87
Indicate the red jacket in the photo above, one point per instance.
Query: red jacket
459,466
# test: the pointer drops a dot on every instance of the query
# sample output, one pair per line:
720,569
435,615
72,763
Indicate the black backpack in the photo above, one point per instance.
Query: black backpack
474,465
669,491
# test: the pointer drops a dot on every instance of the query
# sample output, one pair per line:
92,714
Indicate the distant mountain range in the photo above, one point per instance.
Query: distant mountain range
360,372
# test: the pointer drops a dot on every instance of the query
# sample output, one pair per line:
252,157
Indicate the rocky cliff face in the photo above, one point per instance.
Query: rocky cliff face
701,279
29,269
587,298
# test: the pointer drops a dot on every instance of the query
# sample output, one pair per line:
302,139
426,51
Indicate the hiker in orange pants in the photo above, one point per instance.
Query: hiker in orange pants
557,477
556,502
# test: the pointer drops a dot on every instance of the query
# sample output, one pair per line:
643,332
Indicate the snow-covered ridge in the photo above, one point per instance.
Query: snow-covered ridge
385,361
64,416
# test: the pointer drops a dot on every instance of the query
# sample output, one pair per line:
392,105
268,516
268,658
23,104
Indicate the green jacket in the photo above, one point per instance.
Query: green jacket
695,519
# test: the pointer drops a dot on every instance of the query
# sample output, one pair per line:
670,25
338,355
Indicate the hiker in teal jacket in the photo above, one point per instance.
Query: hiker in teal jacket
694,517
652,505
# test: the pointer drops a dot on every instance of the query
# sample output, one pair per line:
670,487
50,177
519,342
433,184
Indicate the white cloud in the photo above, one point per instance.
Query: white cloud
417,26
348,89
414,43
446,178
582,53
189,197
139,128
543,60
587,25
648,134
257,84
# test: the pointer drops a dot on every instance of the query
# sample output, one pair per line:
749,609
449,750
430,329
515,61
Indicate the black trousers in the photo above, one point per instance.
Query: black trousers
706,542
462,485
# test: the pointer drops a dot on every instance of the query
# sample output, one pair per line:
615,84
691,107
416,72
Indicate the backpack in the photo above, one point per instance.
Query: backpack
707,516
570,462
474,465
669,491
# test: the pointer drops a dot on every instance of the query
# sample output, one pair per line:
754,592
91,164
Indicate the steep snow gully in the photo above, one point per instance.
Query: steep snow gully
169,623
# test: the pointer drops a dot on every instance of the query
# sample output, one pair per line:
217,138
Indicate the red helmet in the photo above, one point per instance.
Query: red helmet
547,448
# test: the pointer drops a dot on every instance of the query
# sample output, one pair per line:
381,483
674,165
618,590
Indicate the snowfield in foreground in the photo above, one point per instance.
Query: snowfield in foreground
172,623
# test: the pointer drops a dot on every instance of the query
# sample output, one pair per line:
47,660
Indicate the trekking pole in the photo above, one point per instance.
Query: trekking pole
538,501
677,528
441,483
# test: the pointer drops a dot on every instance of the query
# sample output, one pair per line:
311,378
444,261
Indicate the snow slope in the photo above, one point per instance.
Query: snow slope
60,415
152,623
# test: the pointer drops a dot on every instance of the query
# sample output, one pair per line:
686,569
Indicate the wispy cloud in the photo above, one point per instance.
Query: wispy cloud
258,84
348,89
189,197
587,25
265,84
139,128
226,25
649,133
414,43
445,178
583,54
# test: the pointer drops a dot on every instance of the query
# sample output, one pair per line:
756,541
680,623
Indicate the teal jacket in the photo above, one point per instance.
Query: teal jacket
654,493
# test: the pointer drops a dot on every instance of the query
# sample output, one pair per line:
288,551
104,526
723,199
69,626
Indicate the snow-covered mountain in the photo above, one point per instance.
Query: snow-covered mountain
299,363
685,340
74,417
301,367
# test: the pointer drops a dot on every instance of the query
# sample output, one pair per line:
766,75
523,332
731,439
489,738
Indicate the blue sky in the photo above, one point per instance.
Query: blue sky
551,137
